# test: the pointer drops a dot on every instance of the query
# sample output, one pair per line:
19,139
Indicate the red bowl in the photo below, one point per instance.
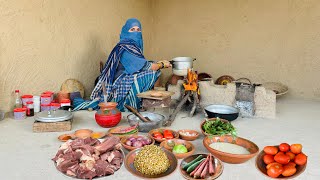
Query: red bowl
108,121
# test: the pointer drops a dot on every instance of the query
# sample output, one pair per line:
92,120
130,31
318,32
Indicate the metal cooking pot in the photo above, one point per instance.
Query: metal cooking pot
182,62
229,113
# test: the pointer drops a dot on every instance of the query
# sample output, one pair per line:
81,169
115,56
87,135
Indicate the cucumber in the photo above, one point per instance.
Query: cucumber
185,167
193,166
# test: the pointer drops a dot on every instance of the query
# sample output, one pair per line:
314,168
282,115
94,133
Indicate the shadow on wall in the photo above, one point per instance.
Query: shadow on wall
87,68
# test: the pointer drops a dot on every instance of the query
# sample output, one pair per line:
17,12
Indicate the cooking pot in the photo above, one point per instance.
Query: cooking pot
180,65
229,113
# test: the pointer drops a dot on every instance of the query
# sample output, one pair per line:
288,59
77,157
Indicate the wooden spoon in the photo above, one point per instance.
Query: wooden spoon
135,112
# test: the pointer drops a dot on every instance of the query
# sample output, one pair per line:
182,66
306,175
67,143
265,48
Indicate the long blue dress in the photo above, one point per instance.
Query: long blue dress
126,72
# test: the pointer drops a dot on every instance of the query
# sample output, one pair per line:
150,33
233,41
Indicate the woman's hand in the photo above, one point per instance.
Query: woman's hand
166,63
160,65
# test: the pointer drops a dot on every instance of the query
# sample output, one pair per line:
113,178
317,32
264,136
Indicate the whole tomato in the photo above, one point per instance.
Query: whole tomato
272,164
267,158
291,155
288,170
284,147
282,158
291,164
296,148
272,150
300,159
275,170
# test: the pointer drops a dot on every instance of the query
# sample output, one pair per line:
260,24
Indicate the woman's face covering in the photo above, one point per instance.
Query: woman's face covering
132,30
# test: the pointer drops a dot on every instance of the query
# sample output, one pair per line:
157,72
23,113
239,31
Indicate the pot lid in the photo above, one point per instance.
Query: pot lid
53,116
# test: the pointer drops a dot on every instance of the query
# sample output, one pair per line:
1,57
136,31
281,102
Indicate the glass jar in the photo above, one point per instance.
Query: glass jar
30,108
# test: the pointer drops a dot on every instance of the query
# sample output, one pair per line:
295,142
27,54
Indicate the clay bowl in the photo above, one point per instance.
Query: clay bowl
175,134
166,144
188,138
98,135
66,137
130,167
83,133
261,166
218,166
130,148
211,119
228,157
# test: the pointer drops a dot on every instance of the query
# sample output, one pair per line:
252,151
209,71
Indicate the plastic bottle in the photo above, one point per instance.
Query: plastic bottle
18,101
36,103
30,108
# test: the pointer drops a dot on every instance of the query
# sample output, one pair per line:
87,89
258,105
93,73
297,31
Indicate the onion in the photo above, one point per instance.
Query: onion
148,140
139,138
129,143
145,142
131,138
137,144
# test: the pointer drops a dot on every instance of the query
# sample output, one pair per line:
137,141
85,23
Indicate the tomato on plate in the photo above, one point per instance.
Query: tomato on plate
291,155
157,135
282,158
272,150
300,159
267,158
288,170
167,134
275,170
296,148
284,147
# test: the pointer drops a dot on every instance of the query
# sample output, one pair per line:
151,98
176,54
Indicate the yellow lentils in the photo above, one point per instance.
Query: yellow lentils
151,160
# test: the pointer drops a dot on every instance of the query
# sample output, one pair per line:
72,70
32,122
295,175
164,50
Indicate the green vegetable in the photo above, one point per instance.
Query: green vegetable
193,166
180,148
219,127
185,167
127,133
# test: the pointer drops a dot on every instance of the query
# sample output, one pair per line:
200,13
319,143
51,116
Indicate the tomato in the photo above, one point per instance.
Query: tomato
282,158
288,170
296,148
284,147
272,150
267,158
291,164
272,164
167,134
275,170
291,155
157,135
300,159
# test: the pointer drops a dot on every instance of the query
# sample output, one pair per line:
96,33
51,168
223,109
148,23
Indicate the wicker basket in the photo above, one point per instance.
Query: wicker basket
278,88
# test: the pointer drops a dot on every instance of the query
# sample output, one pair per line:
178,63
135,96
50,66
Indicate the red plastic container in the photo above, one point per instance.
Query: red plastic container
26,98
54,106
108,117
46,99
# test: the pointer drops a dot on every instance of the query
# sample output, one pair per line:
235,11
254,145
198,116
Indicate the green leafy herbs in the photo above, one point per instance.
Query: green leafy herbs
218,127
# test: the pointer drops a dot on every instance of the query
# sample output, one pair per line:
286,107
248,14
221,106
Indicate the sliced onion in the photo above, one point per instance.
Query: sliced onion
129,143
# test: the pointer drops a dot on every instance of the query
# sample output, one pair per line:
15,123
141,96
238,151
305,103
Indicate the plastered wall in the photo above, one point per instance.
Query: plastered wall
45,42
264,40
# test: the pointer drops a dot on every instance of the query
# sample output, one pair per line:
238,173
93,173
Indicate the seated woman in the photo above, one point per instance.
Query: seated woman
126,72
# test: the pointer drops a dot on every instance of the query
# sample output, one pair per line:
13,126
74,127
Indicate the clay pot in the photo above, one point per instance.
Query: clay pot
108,115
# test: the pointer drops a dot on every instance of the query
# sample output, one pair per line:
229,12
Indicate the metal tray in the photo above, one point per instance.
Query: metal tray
53,116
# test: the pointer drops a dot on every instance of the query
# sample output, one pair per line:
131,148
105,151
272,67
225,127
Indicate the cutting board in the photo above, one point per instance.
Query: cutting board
52,126
151,94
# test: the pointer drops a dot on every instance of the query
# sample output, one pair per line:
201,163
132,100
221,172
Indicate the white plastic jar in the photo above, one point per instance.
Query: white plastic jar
36,103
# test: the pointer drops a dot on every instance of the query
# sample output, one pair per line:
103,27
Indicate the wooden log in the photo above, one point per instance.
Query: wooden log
174,114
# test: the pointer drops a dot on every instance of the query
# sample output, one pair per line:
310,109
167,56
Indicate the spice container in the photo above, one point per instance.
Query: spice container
54,106
45,107
26,98
49,92
36,103
19,113
65,102
45,99
30,108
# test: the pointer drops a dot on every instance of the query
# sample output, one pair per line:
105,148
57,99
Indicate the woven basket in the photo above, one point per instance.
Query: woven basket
278,88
